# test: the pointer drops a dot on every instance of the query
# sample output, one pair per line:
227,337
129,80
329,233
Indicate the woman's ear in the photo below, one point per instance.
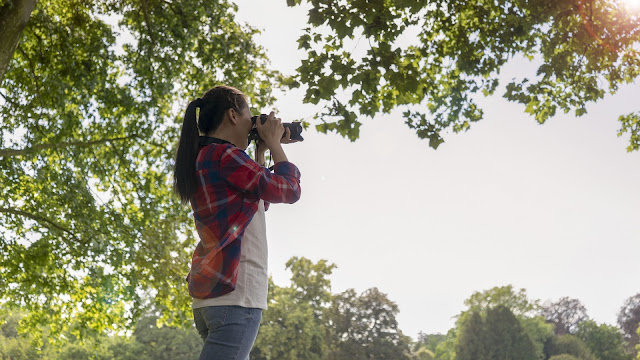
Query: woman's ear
233,116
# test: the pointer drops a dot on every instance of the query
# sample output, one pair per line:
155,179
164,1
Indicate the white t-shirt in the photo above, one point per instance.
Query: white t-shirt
253,280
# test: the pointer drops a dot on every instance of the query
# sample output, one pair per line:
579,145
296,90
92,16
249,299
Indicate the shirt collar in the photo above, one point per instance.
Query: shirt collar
207,140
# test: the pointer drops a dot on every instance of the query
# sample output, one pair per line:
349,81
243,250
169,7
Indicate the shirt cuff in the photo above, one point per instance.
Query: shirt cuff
286,168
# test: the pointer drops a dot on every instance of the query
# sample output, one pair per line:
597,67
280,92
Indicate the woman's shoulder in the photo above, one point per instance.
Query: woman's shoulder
214,153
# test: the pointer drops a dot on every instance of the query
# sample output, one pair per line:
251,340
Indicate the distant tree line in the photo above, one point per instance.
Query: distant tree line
305,320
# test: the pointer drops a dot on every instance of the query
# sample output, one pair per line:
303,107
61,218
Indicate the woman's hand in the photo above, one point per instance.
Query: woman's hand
287,138
271,131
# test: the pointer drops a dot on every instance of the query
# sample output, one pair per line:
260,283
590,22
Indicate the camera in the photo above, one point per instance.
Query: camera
294,127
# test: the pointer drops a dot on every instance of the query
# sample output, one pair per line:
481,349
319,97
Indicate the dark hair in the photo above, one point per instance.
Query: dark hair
213,104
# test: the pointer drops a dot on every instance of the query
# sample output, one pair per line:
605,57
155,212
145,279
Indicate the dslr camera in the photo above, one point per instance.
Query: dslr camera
294,127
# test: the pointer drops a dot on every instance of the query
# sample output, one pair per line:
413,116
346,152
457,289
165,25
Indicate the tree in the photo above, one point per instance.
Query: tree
471,344
568,344
147,342
13,345
426,345
289,329
566,314
497,337
629,320
505,338
14,15
365,327
294,326
518,303
445,350
90,227
563,357
583,49
311,283
604,341
166,342
638,346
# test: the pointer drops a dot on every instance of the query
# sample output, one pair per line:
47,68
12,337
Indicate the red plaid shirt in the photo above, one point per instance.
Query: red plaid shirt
230,187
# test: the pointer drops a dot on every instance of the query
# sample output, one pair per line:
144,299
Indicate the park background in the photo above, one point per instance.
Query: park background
549,208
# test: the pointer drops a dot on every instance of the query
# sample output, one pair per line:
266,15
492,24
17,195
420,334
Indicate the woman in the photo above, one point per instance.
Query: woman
229,193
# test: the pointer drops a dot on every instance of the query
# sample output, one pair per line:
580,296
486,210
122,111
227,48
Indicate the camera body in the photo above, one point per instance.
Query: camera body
294,127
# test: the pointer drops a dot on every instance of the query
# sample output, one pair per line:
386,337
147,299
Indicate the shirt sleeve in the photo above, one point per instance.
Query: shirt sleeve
246,175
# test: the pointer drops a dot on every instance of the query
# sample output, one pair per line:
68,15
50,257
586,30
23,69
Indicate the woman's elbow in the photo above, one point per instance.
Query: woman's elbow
295,196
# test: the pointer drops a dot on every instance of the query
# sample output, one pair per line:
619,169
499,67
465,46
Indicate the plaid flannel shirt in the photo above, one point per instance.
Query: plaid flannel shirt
230,186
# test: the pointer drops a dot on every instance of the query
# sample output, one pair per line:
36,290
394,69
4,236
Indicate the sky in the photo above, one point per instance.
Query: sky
552,208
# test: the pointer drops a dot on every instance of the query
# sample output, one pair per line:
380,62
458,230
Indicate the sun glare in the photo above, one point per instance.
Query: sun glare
632,4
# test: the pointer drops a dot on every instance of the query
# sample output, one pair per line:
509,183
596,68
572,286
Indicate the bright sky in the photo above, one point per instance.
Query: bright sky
552,208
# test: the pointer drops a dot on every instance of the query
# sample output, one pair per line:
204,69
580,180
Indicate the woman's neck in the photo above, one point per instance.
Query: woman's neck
225,134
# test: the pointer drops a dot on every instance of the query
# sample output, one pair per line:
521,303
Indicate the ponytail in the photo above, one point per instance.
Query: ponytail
213,104
184,181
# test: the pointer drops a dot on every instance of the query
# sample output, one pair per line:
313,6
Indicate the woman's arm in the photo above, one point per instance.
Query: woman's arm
246,175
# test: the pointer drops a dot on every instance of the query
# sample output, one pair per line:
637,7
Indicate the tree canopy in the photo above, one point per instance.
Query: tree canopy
604,341
569,345
519,305
566,314
629,321
91,106
583,49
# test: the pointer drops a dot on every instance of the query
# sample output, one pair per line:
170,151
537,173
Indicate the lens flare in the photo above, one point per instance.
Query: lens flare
631,4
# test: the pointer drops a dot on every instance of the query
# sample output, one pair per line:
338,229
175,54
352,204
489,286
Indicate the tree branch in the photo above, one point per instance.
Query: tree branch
147,20
40,147
10,101
175,10
39,219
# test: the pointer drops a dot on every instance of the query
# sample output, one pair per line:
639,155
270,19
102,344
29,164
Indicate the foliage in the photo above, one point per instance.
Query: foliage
638,346
90,109
563,357
292,327
516,301
426,345
539,332
629,321
430,341
306,321
148,342
506,339
566,314
519,304
14,346
365,327
583,50
497,337
471,344
166,343
605,341
424,354
446,349
568,344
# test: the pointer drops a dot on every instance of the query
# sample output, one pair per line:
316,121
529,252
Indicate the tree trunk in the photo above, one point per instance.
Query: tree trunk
14,16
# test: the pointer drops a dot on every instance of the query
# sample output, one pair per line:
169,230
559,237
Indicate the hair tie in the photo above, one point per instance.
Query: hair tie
198,102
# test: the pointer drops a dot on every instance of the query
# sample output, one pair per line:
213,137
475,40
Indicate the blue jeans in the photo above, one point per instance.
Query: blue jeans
228,331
